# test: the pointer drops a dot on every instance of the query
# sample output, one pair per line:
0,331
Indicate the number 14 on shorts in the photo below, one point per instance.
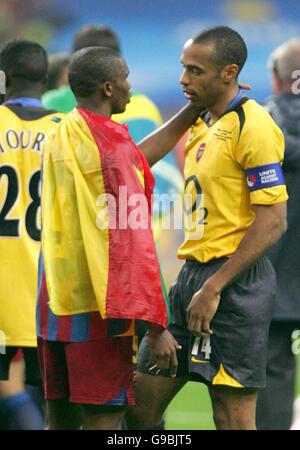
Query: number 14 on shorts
201,347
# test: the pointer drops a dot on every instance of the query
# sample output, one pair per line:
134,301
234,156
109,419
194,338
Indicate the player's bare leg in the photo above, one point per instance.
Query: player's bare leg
102,417
15,384
63,415
153,394
234,408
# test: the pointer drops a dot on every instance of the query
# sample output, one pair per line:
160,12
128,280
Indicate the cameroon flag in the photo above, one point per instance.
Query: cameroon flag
97,242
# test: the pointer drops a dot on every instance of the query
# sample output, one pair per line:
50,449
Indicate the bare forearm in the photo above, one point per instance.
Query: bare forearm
161,141
264,232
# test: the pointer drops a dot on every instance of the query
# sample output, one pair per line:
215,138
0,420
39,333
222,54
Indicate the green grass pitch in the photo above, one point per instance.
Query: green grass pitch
191,408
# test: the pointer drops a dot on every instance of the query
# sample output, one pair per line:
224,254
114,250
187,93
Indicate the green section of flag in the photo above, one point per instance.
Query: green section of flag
164,289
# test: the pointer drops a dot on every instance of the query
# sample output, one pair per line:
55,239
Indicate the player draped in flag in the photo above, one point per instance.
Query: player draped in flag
141,115
95,280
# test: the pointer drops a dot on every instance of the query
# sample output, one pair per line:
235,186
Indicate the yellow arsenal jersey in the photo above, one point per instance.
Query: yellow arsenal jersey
229,166
22,134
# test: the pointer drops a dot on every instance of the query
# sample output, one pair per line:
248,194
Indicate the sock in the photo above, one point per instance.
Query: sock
19,412
37,395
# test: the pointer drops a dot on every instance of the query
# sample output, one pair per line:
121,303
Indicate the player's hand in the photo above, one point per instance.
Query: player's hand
202,309
245,87
163,348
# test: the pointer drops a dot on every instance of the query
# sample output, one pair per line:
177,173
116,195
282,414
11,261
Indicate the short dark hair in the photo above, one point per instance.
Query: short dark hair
230,47
23,59
96,36
92,66
57,63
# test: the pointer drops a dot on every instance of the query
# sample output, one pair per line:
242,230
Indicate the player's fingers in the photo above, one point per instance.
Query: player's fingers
163,361
194,325
205,328
152,367
178,346
173,364
152,363
246,87
188,314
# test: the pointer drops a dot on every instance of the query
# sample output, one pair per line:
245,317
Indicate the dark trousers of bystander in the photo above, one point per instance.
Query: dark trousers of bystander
275,402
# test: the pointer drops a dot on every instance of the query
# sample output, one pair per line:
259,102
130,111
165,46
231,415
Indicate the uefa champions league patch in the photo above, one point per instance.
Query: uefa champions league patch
264,176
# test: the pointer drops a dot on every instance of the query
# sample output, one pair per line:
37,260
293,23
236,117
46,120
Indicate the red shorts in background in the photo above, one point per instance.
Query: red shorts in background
18,356
93,372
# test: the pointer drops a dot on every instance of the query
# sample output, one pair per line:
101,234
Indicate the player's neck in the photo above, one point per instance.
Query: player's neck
19,92
221,106
104,108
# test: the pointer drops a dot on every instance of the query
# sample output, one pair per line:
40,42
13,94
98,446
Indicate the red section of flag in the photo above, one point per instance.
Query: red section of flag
134,288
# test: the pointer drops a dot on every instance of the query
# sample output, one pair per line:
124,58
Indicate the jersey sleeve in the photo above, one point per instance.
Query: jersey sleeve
260,153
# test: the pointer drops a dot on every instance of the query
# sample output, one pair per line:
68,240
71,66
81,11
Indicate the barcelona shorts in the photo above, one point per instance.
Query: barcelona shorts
98,372
236,353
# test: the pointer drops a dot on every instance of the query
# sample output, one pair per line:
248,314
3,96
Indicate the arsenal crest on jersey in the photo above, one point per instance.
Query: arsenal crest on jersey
200,151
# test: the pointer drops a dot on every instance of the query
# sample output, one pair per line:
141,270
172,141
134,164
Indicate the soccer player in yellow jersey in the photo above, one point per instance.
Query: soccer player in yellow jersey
235,208
24,124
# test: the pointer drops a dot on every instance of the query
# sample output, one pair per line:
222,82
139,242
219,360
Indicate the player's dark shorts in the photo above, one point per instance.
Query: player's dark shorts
236,354
32,370
98,372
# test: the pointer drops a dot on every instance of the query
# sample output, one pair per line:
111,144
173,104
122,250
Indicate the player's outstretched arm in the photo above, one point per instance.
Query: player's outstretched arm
267,228
157,144
161,141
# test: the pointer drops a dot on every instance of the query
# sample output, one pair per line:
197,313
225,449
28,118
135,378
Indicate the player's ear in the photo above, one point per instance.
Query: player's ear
229,72
108,89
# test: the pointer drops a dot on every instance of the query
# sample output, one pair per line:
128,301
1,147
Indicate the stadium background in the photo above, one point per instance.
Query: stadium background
152,33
